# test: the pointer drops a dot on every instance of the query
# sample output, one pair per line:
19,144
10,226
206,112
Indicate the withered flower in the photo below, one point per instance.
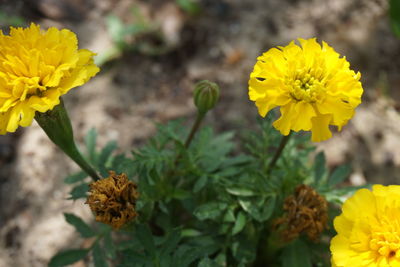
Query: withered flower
113,200
305,212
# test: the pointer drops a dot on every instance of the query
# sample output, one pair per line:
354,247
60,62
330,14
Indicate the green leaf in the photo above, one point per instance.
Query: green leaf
99,258
260,212
186,255
339,175
189,6
79,191
190,233
145,237
181,194
106,152
90,142
239,224
79,225
200,183
67,257
296,254
320,169
207,262
229,215
237,191
210,210
76,177
115,27
268,208
394,12
170,244
109,246
131,256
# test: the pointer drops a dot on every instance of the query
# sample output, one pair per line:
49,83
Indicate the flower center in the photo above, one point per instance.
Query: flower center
386,243
305,87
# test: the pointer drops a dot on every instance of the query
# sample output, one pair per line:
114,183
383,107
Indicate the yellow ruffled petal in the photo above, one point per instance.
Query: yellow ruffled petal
284,123
338,107
302,117
368,230
320,128
318,83
37,68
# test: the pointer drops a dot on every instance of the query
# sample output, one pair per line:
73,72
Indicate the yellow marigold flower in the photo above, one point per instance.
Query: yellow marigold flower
37,67
113,200
305,212
368,230
312,85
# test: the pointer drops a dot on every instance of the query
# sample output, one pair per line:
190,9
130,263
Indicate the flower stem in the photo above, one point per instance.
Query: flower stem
57,125
278,152
194,129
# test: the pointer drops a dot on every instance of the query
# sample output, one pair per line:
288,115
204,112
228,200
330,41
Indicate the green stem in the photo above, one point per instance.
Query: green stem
278,152
76,156
57,125
194,129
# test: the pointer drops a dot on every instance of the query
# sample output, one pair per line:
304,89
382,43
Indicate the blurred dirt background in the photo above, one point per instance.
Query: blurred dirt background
147,77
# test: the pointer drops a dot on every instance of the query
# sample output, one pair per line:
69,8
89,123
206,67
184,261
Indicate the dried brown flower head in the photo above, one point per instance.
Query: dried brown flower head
305,212
113,200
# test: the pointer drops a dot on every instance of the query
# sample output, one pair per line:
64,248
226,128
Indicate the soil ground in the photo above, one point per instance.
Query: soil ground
139,88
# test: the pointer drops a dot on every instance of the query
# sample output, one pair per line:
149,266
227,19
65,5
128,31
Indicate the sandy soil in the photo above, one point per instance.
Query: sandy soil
136,90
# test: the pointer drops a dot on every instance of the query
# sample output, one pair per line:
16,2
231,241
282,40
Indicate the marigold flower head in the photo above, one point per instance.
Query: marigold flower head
368,230
113,200
37,67
306,212
311,84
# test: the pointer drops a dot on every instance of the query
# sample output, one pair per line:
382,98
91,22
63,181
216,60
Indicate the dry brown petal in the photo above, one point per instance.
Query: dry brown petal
113,200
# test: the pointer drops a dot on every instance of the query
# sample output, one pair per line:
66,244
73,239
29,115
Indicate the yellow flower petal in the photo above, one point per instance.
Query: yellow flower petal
320,128
368,230
316,80
37,68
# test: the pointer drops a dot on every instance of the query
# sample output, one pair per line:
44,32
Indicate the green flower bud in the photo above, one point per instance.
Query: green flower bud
206,95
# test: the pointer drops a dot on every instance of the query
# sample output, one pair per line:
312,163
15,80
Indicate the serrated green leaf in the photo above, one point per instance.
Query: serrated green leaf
145,237
239,224
106,152
210,210
296,254
243,192
320,168
90,142
171,242
79,191
229,216
260,212
99,258
79,225
76,177
109,246
200,183
185,255
67,257
268,208
339,175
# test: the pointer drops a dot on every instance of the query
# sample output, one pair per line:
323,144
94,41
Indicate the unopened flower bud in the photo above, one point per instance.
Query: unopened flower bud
206,95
